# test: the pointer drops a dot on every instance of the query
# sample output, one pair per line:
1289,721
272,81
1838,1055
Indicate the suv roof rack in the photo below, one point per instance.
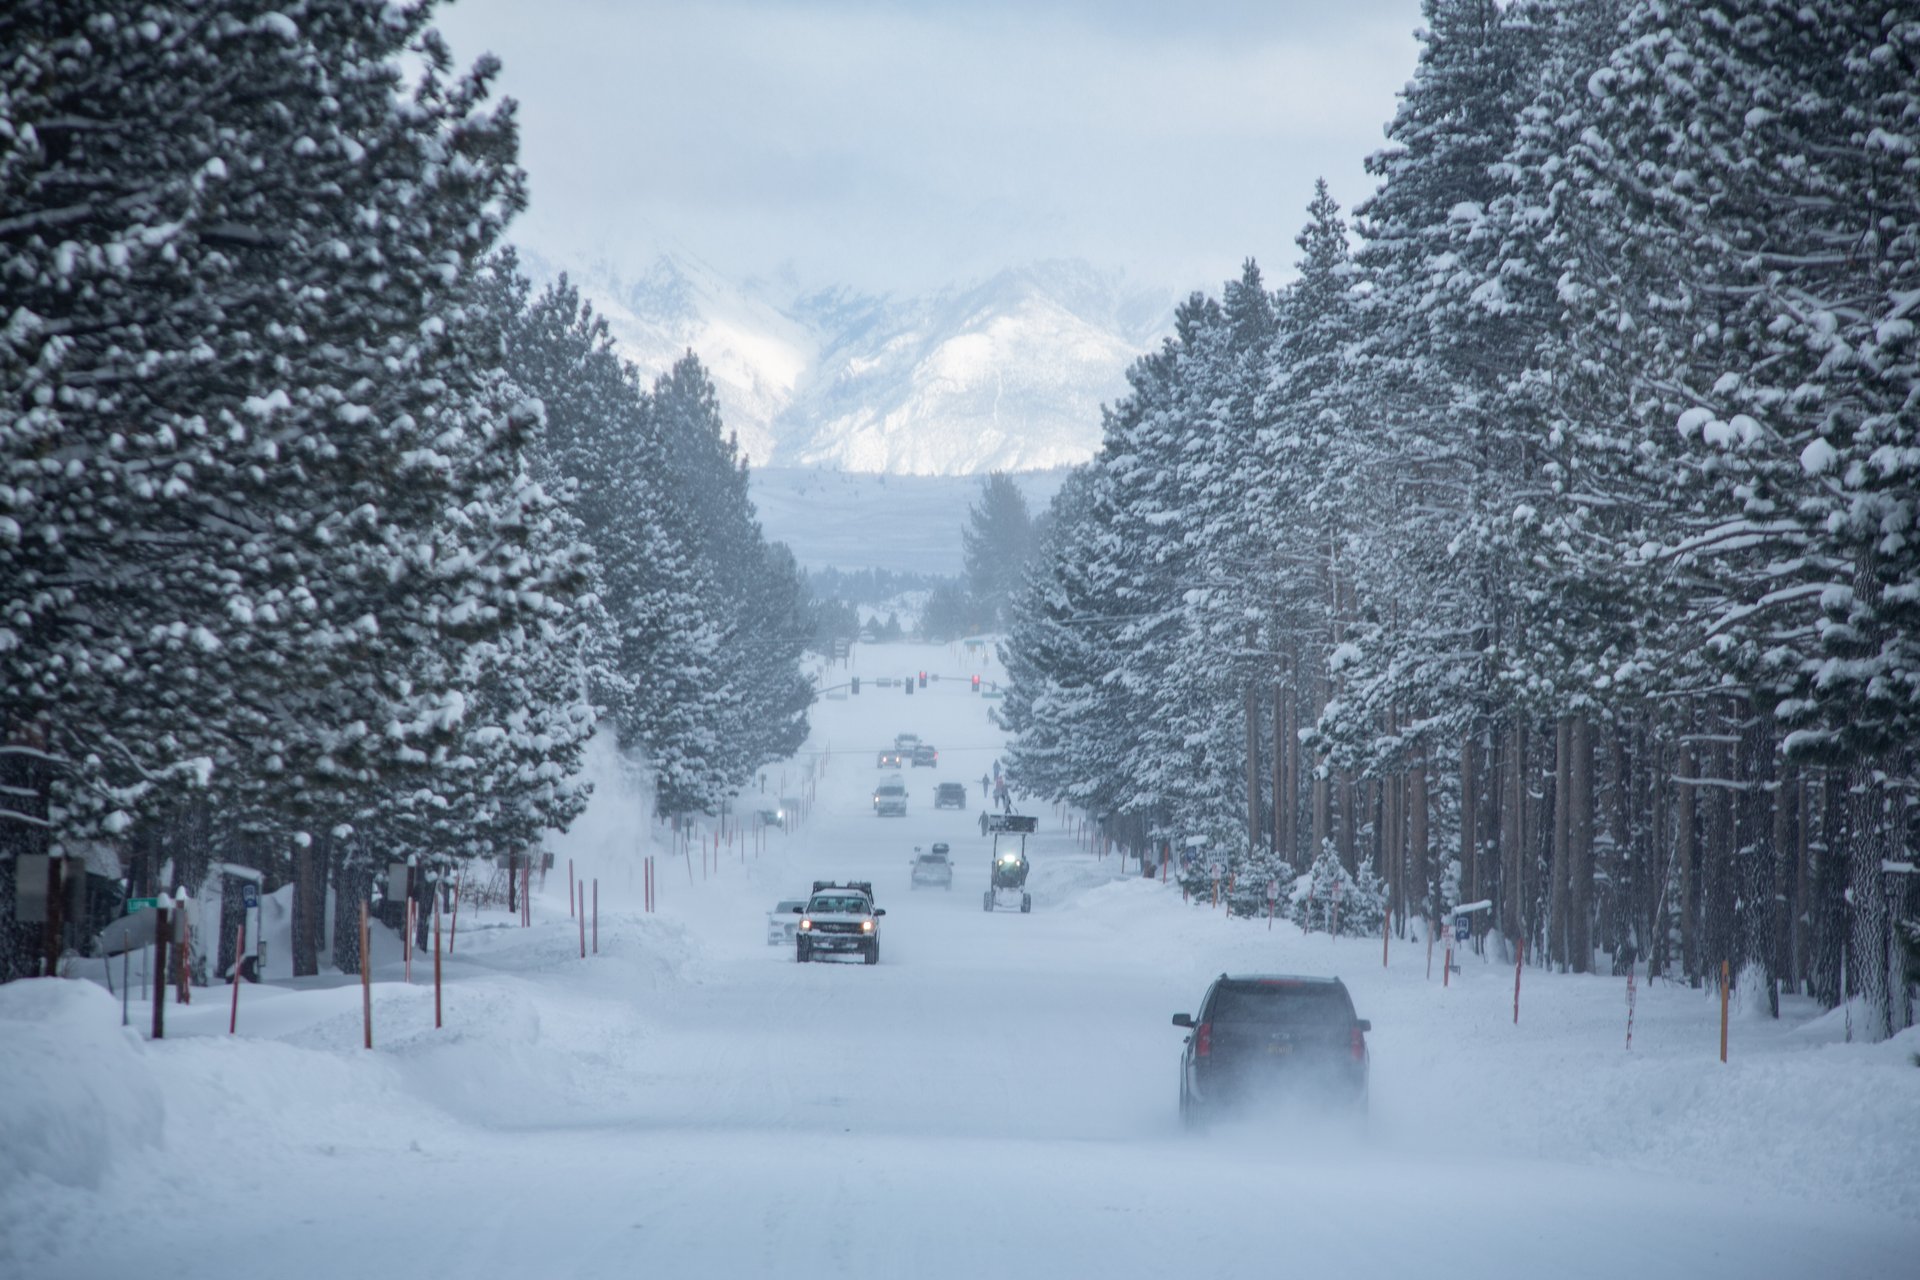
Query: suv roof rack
860,886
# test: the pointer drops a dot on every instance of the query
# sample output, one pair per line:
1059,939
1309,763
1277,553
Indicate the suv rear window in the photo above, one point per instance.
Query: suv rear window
1320,1004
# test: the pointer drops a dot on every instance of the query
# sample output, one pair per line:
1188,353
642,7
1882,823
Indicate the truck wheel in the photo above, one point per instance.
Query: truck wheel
1026,904
986,902
873,953
802,952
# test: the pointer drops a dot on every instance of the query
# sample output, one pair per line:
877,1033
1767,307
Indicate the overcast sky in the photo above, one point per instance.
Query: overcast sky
895,145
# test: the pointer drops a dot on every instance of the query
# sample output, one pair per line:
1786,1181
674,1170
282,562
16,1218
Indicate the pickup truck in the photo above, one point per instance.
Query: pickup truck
839,918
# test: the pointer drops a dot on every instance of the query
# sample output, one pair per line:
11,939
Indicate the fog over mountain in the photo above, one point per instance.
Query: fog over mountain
1007,373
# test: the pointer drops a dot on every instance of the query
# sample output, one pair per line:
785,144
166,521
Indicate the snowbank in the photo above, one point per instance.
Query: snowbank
75,1091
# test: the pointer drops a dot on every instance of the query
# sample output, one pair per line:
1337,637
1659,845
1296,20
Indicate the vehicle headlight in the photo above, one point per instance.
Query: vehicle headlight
866,926
805,923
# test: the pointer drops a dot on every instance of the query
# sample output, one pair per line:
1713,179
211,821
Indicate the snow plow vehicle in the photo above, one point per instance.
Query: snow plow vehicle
1007,883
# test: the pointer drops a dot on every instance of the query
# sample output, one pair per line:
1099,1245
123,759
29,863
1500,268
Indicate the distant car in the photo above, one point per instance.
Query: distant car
950,795
784,921
925,757
890,797
932,867
906,742
772,818
1267,1037
891,760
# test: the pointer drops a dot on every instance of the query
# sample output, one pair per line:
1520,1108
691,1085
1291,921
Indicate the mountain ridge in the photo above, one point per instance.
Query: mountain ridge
1008,373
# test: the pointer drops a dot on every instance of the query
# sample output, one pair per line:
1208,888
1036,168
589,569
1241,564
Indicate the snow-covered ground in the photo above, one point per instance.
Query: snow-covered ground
996,1098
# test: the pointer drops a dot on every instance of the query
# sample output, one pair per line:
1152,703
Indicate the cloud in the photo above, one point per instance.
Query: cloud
890,144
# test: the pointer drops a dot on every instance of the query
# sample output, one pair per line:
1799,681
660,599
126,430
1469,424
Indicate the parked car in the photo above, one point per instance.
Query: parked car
1264,1037
925,757
784,921
932,868
950,795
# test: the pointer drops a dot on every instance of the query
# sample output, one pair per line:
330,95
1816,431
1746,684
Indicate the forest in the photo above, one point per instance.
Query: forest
1549,539
325,539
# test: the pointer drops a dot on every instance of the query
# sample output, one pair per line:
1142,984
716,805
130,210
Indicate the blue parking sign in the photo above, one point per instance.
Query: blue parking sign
1462,927
250,895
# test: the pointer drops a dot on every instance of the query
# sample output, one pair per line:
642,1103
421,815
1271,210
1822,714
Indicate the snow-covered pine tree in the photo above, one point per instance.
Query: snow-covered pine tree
996,542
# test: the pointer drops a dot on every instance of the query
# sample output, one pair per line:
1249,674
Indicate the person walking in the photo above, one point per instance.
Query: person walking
983,822
983,786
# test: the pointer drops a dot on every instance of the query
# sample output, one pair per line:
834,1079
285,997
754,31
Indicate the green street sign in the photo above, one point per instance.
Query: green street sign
141,904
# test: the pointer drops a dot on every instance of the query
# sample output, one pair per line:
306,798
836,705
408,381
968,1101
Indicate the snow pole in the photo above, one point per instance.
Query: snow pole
1429,951
453,934
239,950
366,979
1519,961
582,914
686,850
1446,963
1723,1010
406,942
436,963
1386,927
569,886
596,915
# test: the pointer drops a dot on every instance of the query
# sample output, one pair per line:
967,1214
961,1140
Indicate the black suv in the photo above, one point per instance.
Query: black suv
1272,1037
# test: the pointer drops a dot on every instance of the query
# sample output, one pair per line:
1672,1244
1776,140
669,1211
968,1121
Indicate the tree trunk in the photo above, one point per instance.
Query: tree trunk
1559,937
1685,855
1281,750
1250,704
308,908
1580,846
1469,818
1867,934
1513,837
1418,853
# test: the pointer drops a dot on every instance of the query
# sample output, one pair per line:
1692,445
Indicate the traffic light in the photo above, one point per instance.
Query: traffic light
923,679
976,683
856,684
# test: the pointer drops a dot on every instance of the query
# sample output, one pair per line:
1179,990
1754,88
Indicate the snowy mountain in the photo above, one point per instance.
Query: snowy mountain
1008,373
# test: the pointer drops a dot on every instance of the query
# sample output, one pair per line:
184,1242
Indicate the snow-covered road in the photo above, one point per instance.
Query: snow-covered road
996,1098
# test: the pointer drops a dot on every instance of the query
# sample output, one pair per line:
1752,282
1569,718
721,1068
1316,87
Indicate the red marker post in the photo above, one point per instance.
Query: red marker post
582,914
596,915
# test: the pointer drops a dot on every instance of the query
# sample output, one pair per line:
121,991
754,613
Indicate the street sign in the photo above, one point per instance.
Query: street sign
141,904
1462,927
1273,891
1024,824
250,896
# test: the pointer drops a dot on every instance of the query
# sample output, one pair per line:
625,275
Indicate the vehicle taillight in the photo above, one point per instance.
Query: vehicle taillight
1203,1040
1359,1045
